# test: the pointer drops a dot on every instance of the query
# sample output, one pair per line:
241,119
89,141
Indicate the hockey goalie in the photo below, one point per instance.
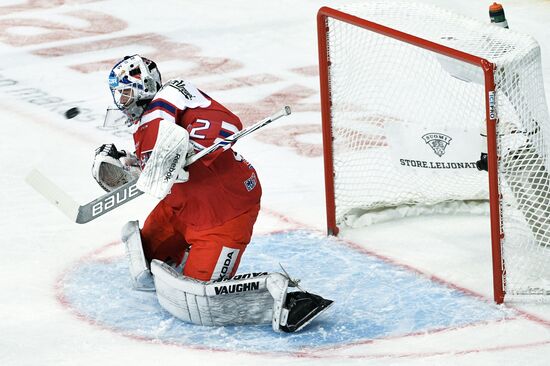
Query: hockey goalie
191,244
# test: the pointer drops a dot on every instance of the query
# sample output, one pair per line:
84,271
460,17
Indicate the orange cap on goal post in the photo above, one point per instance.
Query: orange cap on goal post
496,13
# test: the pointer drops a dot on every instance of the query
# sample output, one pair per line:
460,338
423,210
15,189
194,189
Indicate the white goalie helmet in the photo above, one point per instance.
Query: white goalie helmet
134,81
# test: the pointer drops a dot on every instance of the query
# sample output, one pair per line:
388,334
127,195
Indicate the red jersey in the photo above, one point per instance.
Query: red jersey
221,185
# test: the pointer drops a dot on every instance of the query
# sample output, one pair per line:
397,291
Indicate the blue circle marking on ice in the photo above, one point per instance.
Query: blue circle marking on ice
373,299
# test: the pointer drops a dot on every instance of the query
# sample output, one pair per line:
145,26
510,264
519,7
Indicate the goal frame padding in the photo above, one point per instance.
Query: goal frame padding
488,70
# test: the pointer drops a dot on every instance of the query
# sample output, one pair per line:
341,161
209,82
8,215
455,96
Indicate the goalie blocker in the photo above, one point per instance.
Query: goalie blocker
251,298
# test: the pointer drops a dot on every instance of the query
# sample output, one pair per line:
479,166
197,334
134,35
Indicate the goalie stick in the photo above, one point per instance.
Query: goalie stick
82,214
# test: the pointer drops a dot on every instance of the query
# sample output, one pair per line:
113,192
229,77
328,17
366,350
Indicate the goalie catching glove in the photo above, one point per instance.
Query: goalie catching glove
113,168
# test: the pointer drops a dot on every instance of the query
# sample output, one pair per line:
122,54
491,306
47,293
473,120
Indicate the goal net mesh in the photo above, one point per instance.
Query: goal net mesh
408,126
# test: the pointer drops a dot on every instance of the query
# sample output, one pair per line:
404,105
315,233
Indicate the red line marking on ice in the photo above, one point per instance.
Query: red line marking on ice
408,335
442,353
283,218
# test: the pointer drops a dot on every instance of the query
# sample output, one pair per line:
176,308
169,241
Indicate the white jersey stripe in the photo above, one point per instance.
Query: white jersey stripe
158,113
230,127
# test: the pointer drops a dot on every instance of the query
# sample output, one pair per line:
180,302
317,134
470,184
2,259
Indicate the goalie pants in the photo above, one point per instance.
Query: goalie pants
212,253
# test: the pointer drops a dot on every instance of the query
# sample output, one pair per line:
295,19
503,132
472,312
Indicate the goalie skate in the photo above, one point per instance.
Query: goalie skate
302,308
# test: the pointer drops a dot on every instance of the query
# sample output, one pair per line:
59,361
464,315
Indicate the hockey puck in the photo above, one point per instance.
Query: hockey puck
72,112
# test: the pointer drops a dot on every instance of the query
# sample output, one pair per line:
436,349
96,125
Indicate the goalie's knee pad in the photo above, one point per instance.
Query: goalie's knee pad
140,273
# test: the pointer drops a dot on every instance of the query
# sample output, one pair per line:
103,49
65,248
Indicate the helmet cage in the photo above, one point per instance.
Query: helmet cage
134,81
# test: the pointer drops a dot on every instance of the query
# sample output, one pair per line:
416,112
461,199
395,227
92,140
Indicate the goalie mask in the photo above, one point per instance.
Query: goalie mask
134,81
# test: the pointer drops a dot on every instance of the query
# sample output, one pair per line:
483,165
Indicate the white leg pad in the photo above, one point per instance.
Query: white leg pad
244,299
139,270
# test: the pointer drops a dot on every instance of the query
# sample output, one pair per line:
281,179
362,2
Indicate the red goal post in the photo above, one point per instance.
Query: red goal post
341,69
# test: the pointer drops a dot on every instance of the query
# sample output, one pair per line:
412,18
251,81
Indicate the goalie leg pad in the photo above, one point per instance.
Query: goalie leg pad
241,300
251,298
139,269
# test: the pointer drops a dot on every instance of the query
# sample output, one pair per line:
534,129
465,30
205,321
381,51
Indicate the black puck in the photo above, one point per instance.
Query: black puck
72,112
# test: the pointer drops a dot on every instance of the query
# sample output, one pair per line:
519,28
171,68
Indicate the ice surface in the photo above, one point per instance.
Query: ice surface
404,293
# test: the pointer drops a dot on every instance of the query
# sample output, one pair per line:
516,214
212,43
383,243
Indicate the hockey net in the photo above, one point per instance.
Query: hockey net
411,95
